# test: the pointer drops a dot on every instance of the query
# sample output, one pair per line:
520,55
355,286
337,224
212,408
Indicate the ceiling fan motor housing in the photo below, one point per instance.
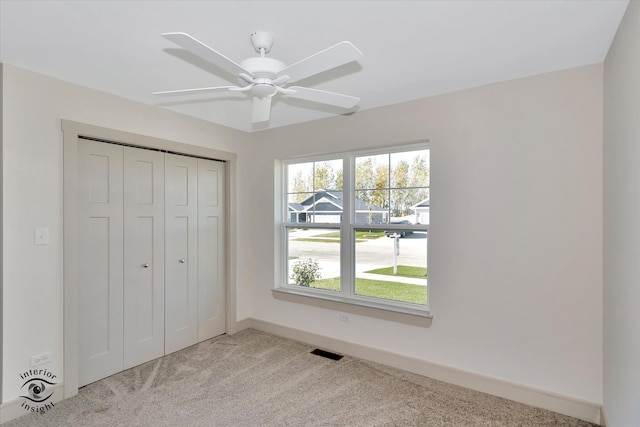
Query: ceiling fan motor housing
263,67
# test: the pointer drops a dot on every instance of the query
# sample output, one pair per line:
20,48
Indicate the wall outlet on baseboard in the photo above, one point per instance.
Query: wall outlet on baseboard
41,359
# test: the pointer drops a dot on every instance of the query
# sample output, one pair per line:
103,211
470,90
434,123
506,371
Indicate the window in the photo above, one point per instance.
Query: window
355,227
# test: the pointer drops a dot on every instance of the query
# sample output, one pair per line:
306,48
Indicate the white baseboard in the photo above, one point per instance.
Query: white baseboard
241,325
603,417
14,408
566,405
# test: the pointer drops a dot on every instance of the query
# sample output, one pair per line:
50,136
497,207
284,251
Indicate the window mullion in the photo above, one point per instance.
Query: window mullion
347,256
283,265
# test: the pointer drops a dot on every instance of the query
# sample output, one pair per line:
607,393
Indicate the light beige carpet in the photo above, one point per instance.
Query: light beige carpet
257,379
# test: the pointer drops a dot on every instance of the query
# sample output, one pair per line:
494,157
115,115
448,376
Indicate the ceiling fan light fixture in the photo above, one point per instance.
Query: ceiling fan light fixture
262,90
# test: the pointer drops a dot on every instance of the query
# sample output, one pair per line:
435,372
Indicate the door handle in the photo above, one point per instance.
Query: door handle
181,261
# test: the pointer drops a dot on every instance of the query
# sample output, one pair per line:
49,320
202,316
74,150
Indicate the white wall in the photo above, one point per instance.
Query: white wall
622,224
516,229
32,196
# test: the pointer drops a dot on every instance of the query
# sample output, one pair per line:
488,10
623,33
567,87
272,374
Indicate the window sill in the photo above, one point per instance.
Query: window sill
409,316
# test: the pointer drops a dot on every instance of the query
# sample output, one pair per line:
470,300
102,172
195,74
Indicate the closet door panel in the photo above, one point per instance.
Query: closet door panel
211,260
100,278
181,247
143,256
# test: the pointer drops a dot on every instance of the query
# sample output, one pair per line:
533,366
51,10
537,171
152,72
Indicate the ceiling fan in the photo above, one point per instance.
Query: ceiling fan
264,77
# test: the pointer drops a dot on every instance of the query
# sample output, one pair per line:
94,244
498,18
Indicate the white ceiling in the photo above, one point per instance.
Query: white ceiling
412,49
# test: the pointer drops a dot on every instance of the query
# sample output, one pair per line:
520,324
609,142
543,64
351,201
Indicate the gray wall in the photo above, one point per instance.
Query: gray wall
622,224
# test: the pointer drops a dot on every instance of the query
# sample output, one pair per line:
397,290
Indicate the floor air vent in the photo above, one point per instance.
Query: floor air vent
326,354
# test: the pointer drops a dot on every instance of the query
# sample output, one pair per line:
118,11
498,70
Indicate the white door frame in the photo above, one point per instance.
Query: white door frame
72,130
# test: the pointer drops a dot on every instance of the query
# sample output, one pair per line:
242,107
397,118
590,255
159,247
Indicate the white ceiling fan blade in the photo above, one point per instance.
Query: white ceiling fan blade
323,97
332,57
261,109
205,52
196,90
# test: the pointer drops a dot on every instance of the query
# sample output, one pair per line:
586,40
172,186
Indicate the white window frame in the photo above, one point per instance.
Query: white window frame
347,227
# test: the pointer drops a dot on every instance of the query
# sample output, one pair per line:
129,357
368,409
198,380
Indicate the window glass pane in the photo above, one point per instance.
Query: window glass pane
315,192
410,169
300,176
371,206
372,172
326,206
297,207
313,258
404,203
392,271
328,175
422,206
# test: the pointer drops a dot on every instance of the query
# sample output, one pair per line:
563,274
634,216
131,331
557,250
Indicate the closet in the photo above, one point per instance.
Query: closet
150,258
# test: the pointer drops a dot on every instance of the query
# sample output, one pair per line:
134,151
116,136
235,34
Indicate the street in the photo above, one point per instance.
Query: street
370,254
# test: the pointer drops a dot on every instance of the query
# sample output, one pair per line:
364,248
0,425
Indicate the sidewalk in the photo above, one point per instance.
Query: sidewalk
397,279
332,269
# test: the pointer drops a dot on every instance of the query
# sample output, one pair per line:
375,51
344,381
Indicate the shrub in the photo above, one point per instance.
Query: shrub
305,272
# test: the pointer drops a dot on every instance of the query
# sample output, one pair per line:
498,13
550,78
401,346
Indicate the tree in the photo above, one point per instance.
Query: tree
372,178
419,178
300,186
419,172
381,184
399,182
364,174
326,176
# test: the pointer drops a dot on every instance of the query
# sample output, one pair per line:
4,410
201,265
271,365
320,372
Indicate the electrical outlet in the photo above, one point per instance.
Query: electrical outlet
344,317
41,359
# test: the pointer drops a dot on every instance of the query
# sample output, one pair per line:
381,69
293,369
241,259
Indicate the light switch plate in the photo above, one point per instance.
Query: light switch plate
42,236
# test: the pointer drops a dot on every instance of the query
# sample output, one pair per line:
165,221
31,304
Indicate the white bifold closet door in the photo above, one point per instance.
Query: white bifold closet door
181,303
150,255
144,241
211,260
100,261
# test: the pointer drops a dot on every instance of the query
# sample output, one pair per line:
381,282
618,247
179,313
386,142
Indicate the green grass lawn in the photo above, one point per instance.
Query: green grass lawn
312,239
416,294
369,234
403,270
335,234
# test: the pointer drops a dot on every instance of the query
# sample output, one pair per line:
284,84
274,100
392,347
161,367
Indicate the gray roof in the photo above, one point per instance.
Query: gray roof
296,207
334,198
422,204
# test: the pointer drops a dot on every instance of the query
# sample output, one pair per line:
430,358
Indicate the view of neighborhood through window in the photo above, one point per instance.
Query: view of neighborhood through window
383,212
